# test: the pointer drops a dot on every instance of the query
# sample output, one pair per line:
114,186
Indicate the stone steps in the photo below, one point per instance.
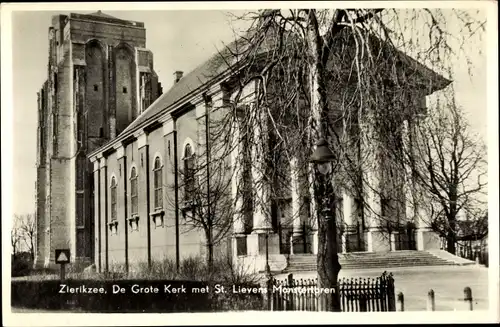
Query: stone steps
367,260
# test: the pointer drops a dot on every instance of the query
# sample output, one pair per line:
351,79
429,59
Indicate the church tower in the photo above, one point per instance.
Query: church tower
100,78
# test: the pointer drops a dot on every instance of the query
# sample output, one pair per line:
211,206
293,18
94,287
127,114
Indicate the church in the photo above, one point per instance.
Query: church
116,179
100,79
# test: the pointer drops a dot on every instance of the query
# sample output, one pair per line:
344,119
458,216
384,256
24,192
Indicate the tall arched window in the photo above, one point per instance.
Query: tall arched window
133,192
113,198
158,183
189,180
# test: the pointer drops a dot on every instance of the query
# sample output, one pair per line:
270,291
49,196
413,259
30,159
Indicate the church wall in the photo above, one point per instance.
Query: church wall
61,193
163,226
102,230
137,232
116,234
61,234
95,88
124,87
192,240
162,232
169,190
97,215
109,34
82,43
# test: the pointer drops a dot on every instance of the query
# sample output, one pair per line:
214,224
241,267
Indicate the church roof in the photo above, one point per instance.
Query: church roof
201,77
102,17
212,69
101,14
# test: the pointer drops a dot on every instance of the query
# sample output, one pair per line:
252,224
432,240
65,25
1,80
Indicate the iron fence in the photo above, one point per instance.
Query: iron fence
355,294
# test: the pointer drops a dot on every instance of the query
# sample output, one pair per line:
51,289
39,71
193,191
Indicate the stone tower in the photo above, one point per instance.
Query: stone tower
100,78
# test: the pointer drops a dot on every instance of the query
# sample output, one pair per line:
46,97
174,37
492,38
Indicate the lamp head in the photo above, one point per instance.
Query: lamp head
324,167
323,157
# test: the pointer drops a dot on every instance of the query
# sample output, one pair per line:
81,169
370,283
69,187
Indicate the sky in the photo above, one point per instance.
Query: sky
175,46
179,40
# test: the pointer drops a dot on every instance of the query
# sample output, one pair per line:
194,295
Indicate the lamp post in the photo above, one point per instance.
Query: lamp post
268,268
328,261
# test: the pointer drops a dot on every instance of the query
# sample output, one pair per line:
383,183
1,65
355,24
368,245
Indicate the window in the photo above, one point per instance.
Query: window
113,198
125,90
80,208
189,181
133,192
158,184
358,210
96,87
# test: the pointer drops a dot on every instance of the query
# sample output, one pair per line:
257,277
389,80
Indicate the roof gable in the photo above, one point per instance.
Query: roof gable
101,14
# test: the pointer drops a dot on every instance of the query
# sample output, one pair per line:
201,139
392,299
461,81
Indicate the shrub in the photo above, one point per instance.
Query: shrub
21,265
44,294
193,270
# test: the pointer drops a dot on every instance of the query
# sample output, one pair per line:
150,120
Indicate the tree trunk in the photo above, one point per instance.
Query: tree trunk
451,235
328,261
327,258
210,249
32,250
451,242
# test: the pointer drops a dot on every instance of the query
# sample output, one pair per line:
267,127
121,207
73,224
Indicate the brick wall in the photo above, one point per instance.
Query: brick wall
94,93
124,87
59,128
109,34
60,190
60,210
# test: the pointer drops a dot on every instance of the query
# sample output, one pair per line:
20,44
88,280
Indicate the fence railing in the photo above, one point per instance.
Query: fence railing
355,294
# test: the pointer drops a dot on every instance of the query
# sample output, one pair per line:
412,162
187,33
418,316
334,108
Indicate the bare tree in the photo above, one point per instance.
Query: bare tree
342,75
204,184
297,76
15,239
447,163
26,232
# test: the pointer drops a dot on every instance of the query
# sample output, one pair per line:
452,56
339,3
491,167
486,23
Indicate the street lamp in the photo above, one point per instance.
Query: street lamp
268,268
323,157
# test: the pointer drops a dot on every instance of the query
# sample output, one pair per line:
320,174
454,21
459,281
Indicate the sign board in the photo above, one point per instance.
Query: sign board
62,256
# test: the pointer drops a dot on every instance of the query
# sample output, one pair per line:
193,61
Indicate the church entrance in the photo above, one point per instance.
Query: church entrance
405,238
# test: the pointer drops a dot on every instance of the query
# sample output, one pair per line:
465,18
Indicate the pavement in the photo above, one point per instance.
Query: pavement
448,283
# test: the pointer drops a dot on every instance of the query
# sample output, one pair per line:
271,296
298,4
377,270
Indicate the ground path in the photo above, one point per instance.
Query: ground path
448,283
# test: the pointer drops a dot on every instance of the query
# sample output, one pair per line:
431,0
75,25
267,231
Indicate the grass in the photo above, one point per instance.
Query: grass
192,268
